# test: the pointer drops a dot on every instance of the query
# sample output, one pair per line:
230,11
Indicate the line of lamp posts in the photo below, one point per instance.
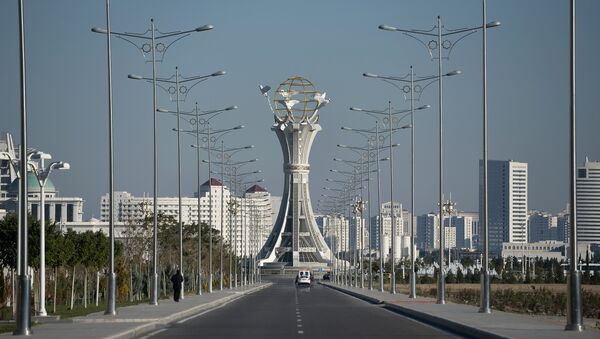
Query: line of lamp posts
438,40
149,43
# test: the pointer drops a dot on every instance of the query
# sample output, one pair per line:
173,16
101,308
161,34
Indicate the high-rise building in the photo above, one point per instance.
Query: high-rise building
507,202
542,226
428,232
463,228
588,202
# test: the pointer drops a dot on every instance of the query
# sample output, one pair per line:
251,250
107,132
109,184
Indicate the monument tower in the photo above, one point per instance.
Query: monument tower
295,240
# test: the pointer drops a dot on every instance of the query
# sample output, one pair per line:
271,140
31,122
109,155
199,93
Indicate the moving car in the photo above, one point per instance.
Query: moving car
304,277
326,276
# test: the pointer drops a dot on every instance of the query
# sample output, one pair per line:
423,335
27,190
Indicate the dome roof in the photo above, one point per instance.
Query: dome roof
33,186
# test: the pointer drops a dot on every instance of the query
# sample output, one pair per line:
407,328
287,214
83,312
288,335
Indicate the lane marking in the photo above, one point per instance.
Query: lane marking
153,333
299,325
300,332
298,320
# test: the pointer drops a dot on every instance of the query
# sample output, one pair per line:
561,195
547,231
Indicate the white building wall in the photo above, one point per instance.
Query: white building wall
588,203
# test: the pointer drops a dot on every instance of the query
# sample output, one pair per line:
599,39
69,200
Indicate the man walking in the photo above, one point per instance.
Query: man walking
177,279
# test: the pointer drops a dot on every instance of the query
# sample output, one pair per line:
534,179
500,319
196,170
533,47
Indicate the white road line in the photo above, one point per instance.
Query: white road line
300,332
153,333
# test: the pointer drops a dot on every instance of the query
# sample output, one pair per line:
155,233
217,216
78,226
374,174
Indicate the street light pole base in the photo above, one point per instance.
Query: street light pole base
412,293
574,302
484,305
23,321
154,296
111,306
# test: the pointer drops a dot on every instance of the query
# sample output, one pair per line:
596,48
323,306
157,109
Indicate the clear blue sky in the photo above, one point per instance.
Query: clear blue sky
329,42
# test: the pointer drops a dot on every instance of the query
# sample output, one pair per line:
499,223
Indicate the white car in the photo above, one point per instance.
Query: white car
304,277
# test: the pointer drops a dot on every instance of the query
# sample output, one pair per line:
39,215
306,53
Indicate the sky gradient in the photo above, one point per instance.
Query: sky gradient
331,43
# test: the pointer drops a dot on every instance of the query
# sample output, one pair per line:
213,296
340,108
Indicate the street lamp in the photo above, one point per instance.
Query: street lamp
175,88
433,46
412,86
574,302
146,43
42,175
23,321
209,139
196,121
390,120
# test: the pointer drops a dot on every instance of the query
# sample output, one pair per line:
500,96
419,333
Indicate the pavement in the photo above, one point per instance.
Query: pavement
286,311
465,320
136,320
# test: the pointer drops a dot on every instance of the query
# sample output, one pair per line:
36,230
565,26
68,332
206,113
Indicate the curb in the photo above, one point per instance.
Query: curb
441,323
354,294
152,324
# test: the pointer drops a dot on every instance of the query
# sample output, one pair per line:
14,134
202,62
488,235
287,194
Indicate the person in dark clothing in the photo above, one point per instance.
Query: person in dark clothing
177,279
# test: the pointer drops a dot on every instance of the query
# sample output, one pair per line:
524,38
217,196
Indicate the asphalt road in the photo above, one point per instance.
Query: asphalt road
286,311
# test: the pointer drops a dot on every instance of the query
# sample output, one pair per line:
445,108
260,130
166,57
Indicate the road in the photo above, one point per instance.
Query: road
285,311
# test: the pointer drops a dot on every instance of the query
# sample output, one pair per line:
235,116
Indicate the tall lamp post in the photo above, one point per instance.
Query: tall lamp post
146,43
210,137
411,86
197,118
23,319
574,302
177,89
42,177
434,46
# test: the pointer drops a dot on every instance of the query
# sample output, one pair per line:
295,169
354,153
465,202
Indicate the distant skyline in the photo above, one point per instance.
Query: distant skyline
330,43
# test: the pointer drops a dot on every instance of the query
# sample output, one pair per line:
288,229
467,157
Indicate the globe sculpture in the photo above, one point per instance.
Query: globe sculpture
295,240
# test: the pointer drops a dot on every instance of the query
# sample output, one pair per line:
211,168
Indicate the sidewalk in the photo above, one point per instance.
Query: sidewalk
466,320
132,321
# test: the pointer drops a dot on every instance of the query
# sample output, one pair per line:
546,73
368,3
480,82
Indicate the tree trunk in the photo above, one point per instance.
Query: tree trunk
85,286
130,282
54,294
97,287
73,288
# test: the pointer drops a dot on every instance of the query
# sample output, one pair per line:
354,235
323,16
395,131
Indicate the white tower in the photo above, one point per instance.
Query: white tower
295,239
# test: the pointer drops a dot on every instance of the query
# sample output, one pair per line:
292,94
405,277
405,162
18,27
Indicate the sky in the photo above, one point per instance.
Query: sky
331,43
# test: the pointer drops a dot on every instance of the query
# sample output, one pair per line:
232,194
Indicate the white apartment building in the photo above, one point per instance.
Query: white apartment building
507,202
251,222
463,230
588,202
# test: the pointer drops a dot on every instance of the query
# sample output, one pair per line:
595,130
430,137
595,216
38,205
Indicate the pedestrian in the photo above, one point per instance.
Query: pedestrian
177,279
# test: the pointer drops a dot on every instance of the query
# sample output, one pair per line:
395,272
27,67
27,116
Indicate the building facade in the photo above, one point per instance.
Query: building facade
588,202
507,202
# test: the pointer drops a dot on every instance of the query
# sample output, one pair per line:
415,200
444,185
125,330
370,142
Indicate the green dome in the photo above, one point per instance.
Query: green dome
33,186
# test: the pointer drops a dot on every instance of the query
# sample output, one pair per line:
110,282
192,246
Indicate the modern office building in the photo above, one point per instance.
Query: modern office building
428,232
463,231
542,226
588,202
507,202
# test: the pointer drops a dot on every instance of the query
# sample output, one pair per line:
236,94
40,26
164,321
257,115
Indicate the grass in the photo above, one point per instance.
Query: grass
7,328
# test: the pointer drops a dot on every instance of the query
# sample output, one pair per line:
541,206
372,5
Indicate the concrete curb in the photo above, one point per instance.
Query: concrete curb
444,324
354,294
441,323
151,324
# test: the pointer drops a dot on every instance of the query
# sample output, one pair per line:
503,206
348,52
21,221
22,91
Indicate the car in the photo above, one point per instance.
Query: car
326,276
304,277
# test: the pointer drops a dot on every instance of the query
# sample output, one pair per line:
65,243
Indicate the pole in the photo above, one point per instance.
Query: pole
574,302
235,278
441,299
231,244
179,183
198,193
381,262
484,306
210,229
23,321
369,213
393,256
412,292
154,297
222,217
42,309
111,302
